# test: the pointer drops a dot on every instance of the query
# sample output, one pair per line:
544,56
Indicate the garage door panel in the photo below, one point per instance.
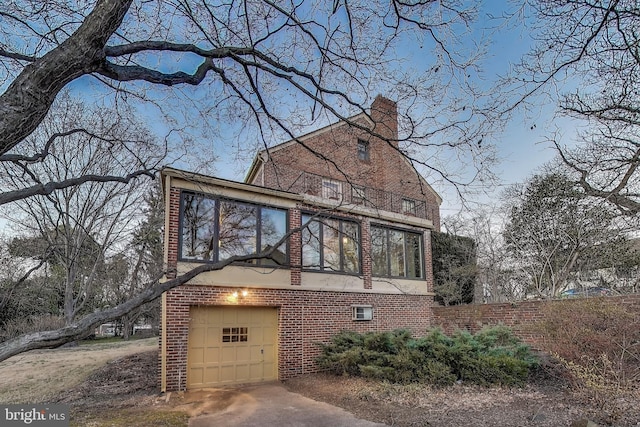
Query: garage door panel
243,354
269,353
227,374
213,335
197,356
228,354
195,375
197,335
231,345
211,354
244,317
256,352
212,375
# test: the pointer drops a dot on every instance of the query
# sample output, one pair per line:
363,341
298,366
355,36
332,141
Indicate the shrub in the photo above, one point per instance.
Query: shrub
597,341
493,356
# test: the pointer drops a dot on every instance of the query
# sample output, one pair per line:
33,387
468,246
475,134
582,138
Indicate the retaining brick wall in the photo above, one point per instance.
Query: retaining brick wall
305,318
519,316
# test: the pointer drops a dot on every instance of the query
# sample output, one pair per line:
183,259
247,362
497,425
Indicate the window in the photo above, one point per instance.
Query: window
409,206
235,334
363,150
330,244
358,194
396,253
362,312
213,229
331,189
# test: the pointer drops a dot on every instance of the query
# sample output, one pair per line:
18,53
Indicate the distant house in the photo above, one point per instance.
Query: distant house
358,258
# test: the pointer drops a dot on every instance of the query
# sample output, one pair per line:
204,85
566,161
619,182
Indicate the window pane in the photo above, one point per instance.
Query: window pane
409,206
331,189
414,255
311,244
198,227
331,241
363,150
350,250
379,251
357,194
396,253
273,228
238,229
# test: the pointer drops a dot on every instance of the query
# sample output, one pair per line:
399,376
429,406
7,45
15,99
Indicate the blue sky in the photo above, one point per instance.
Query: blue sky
521,147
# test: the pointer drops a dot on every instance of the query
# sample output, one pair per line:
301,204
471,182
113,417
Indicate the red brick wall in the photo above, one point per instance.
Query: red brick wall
171,235
333,154
518,316
305,318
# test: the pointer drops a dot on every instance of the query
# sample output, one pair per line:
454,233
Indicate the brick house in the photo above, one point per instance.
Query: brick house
358,256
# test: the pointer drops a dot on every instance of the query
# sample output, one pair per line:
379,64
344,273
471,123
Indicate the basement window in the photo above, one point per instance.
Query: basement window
362,312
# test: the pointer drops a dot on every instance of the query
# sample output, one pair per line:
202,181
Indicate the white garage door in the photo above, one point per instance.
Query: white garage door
232,345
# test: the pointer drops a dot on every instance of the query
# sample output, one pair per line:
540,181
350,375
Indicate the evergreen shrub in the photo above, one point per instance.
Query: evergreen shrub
492,356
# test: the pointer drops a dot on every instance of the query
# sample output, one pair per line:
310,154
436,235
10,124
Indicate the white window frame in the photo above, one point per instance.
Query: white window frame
358,194
409,206
331,189
362,312
363,150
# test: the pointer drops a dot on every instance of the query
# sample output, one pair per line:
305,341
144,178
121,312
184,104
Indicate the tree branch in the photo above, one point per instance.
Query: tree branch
50,187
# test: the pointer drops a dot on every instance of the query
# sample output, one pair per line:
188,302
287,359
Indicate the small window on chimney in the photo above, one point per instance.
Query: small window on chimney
363,150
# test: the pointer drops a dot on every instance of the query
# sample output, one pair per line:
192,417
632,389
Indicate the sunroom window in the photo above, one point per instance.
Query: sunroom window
330,244
214,229
396,253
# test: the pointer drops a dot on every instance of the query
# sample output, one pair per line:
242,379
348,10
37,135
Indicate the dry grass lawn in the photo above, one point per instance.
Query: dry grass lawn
39,376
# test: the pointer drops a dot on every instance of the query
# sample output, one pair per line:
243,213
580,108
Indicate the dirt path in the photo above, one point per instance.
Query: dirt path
41,375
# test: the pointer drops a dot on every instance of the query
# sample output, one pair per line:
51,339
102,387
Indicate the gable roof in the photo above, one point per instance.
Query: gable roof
259,158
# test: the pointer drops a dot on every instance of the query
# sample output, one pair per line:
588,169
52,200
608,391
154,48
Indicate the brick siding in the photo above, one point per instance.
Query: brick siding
333,154
519,316
305,319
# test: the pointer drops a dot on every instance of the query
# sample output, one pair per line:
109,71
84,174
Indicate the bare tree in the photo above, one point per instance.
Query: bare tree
136,266
589,49
245,57
497,278
76,228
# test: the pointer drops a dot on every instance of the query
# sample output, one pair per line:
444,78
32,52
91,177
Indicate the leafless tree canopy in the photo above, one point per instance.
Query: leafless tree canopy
236,62
589,51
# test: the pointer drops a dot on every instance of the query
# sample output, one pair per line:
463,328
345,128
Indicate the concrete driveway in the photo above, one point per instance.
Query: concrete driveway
265,405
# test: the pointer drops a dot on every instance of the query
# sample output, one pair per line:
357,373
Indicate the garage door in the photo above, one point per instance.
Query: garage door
231,345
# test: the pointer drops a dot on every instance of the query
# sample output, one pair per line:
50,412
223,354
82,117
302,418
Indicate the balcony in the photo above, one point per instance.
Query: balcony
345,192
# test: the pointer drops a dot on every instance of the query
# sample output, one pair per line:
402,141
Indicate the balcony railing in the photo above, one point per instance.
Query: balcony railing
345,192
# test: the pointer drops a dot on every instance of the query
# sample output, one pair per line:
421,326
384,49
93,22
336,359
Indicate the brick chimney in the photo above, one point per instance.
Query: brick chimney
384,113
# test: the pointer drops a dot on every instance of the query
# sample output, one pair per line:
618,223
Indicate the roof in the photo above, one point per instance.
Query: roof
260,158
305,199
